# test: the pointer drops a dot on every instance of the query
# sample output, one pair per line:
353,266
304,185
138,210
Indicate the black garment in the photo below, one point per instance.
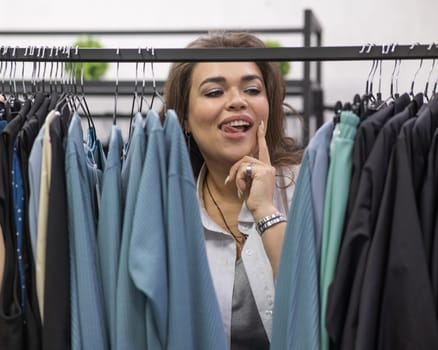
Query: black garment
18,330
247,331
427,198
11,318
423,132
375,269
407,317
364,141
56,331
345,290
433,264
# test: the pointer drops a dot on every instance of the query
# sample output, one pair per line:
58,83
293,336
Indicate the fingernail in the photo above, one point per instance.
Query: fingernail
227,179
262,124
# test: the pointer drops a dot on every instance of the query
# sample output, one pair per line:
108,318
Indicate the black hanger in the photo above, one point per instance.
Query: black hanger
338,109
135,100
116,91
156,93
426,88
356,106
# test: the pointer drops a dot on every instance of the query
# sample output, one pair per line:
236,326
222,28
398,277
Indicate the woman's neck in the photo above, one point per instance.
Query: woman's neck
216,175
223,206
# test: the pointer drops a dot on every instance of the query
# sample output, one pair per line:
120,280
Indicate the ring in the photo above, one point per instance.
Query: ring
248,170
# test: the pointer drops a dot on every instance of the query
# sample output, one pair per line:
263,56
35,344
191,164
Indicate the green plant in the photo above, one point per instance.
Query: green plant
284,66
92,70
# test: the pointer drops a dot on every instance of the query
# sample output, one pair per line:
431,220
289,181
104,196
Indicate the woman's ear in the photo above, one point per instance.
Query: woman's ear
186,126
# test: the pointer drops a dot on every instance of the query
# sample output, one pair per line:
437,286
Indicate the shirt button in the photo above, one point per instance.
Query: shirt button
246,225
248,252
268,313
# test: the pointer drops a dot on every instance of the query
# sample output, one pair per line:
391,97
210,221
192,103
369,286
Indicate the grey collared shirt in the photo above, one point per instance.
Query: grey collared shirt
221,253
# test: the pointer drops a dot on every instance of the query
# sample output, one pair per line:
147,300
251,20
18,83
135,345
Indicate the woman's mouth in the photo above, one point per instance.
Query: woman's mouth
236,126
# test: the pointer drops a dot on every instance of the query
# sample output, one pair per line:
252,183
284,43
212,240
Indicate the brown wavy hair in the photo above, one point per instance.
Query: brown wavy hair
283,150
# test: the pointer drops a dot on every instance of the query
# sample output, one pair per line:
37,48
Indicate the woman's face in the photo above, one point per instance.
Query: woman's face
227,102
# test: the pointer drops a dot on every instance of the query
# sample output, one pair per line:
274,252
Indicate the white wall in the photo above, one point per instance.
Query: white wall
345,22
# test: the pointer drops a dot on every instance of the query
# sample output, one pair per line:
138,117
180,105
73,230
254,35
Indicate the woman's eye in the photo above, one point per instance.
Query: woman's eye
253,90
214,93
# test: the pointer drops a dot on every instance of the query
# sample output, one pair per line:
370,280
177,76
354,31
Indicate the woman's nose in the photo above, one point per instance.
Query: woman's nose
237,100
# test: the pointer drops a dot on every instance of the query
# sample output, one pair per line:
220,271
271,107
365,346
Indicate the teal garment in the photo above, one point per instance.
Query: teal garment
296,306
82,180
130,324
110,227
147,260
194,320
338,183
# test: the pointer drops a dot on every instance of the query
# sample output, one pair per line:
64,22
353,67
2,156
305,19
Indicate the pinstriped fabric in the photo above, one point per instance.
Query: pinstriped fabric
296,306
338,183
130,324
86,283
109,228
195,321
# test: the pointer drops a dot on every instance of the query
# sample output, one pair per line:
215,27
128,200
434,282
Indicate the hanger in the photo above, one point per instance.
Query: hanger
429,75
156,93
43,82
3,100
367,95
395,95
135,95
135,99
65,96
143,84
25,97
338,109
379,103
80,97
116,92
411,92
12,98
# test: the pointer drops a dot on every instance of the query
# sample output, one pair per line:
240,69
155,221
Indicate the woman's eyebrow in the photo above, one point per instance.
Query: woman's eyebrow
220,79
217,79
251,77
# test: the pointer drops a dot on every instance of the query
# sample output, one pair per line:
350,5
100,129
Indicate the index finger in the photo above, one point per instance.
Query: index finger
263,146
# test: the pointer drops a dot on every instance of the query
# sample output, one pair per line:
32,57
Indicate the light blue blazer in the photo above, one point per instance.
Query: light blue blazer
110,227
195,320
82,179
296,305
130,324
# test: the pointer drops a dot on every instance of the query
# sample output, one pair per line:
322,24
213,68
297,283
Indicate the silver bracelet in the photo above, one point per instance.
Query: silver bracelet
269,221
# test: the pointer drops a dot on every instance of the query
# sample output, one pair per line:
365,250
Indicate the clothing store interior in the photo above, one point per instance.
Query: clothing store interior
104,216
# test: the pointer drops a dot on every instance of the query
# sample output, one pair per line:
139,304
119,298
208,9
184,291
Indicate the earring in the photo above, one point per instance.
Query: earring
188,137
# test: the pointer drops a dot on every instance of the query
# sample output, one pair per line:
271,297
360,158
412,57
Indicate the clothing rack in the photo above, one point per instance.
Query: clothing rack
306,54
308,88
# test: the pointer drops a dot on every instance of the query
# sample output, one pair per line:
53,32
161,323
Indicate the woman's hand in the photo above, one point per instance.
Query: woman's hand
258,189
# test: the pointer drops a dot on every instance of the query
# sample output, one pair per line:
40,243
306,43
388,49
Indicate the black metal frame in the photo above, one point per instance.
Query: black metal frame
305,87
309,89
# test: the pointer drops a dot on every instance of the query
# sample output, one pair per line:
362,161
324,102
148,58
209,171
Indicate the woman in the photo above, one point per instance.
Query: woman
232,114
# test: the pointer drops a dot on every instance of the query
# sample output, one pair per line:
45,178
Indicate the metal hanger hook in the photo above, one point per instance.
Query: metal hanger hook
430,73
116,93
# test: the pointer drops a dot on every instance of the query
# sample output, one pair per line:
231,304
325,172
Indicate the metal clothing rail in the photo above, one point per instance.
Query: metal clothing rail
322,53
308,87
145,32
